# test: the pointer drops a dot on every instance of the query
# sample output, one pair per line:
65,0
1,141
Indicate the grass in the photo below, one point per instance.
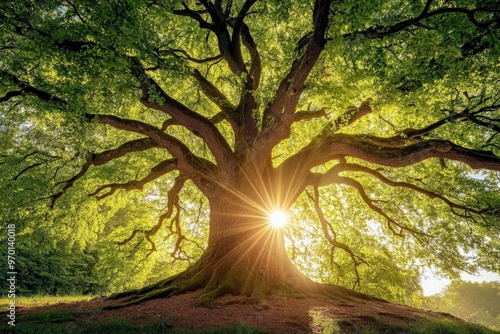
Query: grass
446,326
57,322
65,322
425,326
43,300
328,325
52,317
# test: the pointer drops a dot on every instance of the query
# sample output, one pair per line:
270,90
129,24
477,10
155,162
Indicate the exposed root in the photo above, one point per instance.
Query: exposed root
219,274
339,292
165,292
254,289
171,286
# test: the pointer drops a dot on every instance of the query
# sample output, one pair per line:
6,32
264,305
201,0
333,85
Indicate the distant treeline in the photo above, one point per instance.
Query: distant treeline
477,302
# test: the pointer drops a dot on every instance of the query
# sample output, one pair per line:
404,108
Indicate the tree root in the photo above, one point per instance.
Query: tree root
177,284
253,290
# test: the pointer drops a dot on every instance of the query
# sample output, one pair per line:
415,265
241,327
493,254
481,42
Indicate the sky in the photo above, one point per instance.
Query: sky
433,284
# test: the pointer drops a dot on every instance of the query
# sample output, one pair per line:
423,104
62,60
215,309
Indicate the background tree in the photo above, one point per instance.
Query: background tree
363,121
477,302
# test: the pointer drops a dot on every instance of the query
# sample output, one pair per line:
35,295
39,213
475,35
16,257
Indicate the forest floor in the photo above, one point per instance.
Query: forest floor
285,315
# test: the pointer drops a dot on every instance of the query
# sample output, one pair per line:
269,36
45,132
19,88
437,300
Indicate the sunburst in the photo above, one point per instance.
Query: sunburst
278,218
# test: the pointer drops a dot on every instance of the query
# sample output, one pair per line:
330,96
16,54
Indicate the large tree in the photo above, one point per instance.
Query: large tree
261,105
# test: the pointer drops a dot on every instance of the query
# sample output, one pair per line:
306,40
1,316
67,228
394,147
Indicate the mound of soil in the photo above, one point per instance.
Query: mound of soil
284,315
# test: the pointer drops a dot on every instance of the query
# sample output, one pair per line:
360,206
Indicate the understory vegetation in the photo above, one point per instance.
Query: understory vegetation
60,322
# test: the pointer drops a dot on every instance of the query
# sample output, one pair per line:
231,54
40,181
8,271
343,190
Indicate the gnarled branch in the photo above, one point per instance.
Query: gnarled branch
328,146
370,203
97,159
162,168
331,177
331,235
278,114
194,122
305,115
195,15
172,203
194,167
229,46
382,31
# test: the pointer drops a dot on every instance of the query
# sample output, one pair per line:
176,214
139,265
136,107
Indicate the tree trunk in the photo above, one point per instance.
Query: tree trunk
245,256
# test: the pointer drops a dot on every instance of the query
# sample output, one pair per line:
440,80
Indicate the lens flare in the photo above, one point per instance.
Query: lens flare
278,218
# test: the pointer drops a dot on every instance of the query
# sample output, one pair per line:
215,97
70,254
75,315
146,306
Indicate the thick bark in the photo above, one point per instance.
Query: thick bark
244,254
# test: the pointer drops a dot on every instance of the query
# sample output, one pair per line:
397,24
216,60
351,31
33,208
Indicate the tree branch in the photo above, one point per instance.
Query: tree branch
215,119
330,177
278,114
243,122
26,88
186,56
331,236
369,202
255,62
195,15
237,29
473,114
76,12
24,170
127,240
329,146
198,169
306,115
194,122
215,95
247,130
97,159
10,95
194,167
156,172
350,116
294,81
172,203
381,31
219,27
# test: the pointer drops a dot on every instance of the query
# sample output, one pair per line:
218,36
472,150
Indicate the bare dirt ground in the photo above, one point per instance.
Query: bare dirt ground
285,315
